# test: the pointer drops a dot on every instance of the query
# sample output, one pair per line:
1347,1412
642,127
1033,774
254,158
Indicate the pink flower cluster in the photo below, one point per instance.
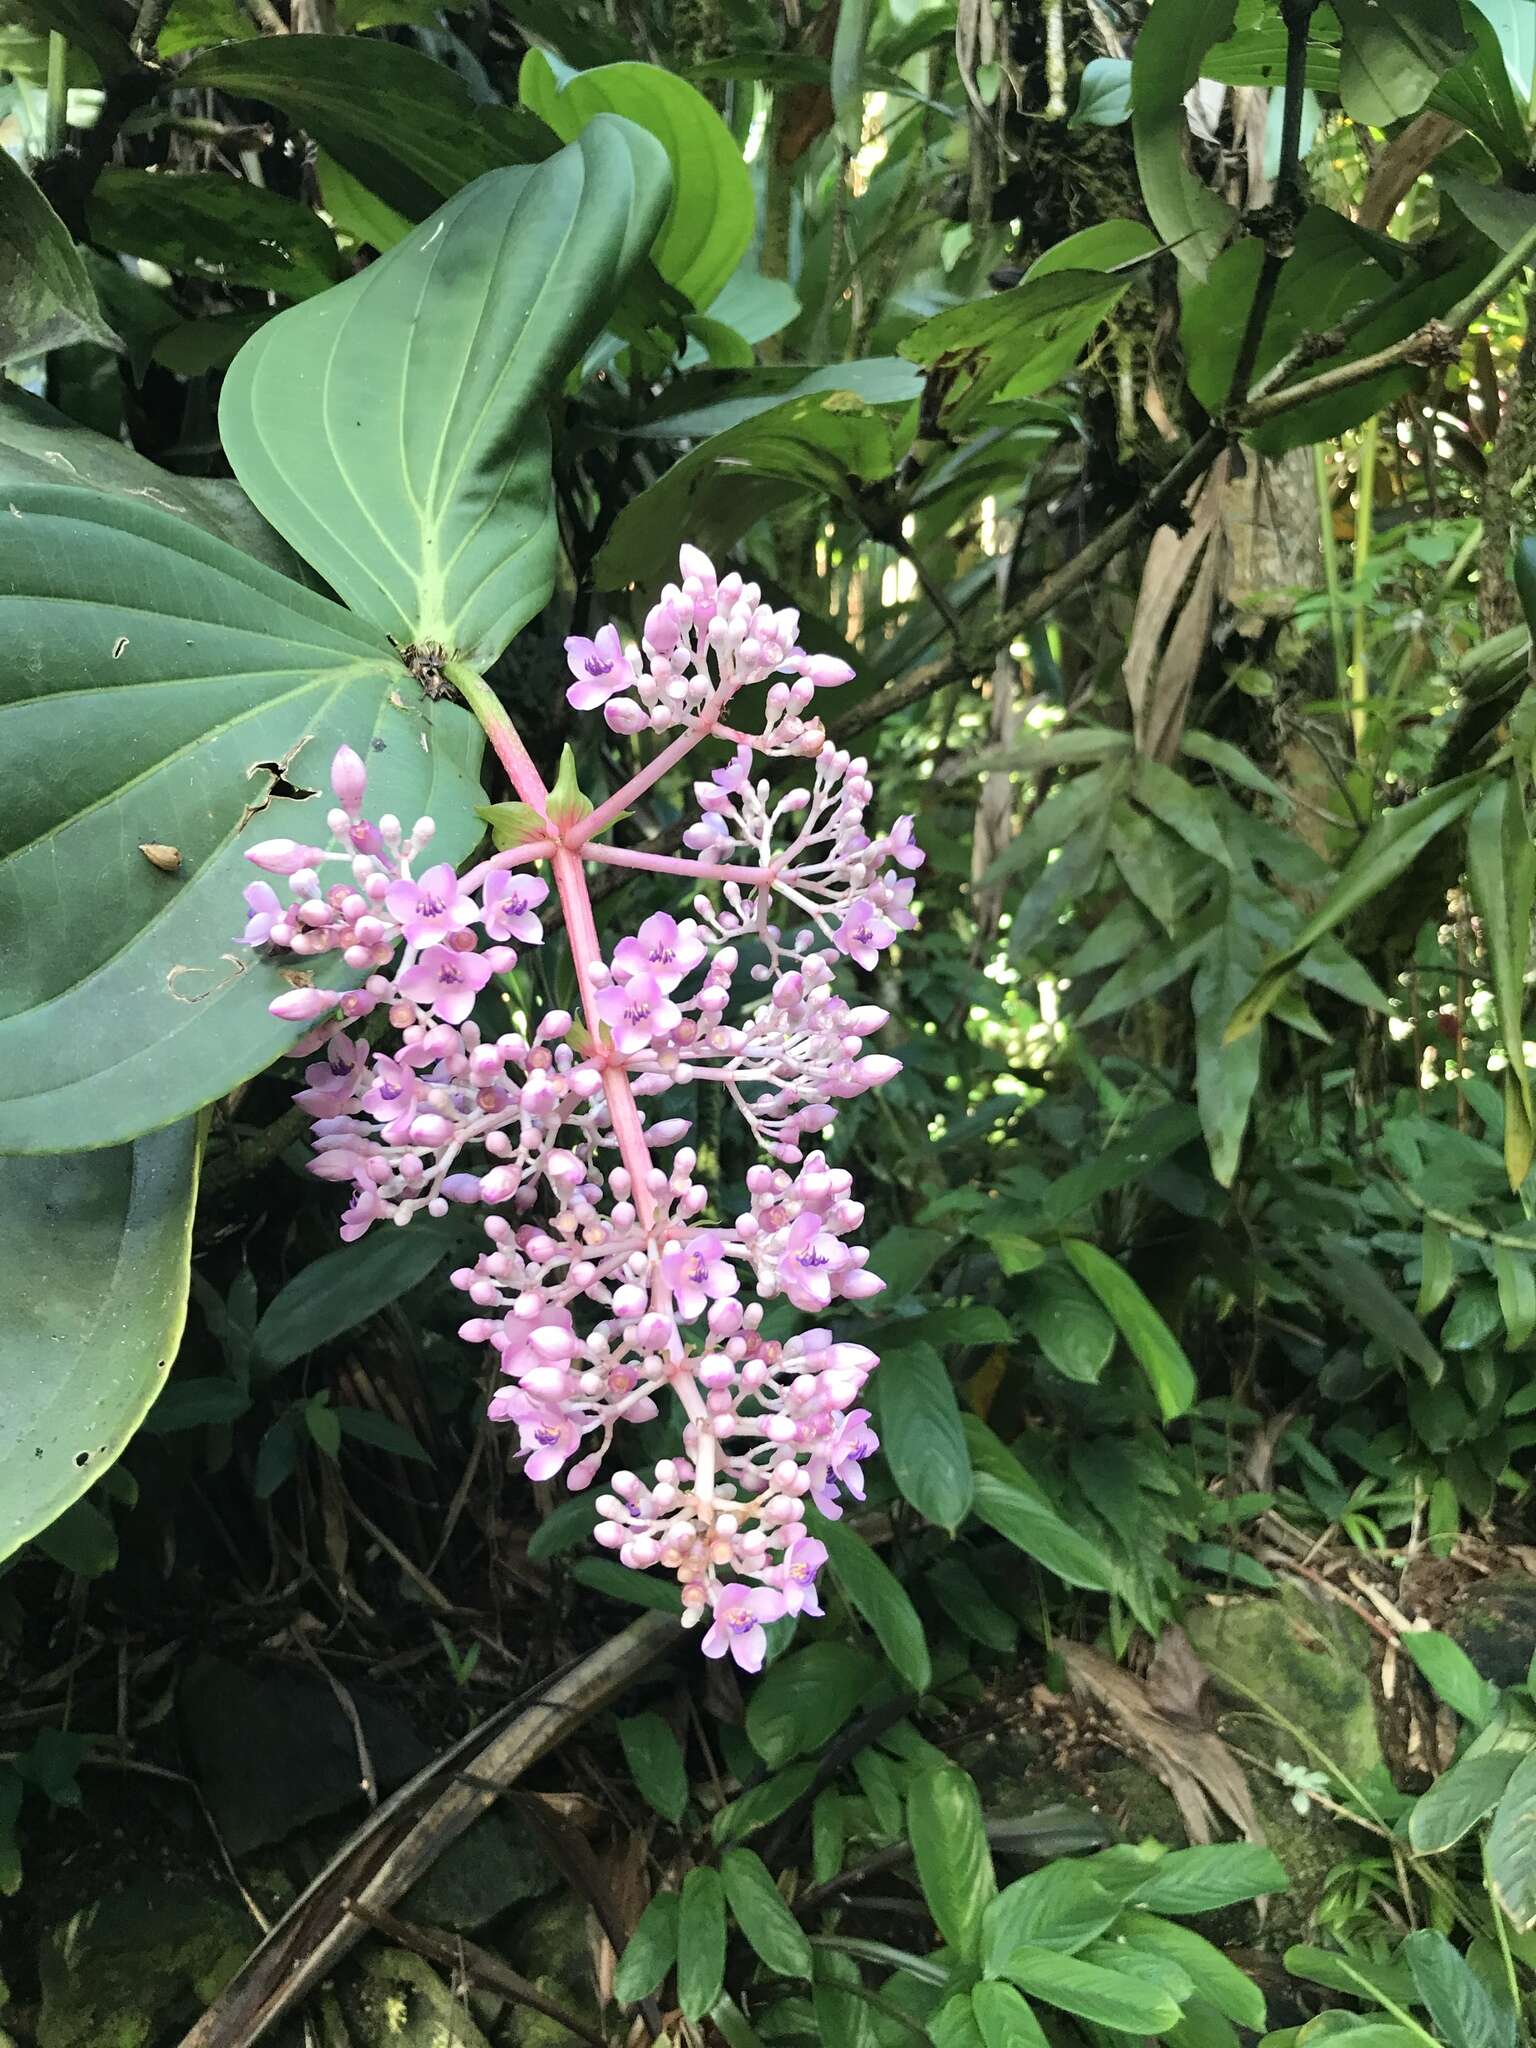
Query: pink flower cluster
607,1295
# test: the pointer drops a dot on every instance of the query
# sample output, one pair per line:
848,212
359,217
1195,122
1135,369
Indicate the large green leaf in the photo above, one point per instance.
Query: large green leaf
94,1260
1123,2003
949,1847
206,225
921,1434
395,429
1393,56
1512,1847
46,299
819,446
1021,341
409,129
709,221
41,446
1166,62
168,683
873,1590
1460,2003
802,1700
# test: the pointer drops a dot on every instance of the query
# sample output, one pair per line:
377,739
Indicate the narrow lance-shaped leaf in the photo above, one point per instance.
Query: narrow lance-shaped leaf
394,429
95,1251
170,682
949,1847
1501,866
1392,843
1159,1352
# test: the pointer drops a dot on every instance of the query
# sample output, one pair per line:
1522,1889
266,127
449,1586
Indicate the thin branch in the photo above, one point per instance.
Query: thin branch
455,1953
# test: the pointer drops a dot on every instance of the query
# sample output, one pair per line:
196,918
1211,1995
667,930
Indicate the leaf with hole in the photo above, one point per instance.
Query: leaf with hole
1109,1998
1069,1324
1063,1907
174,688
95,1252
442,531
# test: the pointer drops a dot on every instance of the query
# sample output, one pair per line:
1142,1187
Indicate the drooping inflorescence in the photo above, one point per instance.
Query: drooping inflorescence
606,1287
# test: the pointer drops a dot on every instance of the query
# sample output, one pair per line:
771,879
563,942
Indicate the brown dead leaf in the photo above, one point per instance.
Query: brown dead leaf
1193,1762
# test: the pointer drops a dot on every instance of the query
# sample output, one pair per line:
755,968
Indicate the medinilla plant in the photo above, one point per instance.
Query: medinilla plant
172,701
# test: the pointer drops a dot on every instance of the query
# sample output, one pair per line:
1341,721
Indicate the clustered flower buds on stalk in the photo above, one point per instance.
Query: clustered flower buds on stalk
605,1284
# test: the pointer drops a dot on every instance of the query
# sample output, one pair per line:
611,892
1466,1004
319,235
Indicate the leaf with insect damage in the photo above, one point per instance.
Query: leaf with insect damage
174,695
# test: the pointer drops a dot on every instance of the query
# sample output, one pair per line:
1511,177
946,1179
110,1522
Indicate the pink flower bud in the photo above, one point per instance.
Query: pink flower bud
304,1005
283,856
349,779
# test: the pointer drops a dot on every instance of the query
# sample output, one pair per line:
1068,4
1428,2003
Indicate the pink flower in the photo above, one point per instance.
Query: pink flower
394,1095
739,1614
664,949
546,1435
332,1082
261,900
446,982
864,933
698,1272
510,900
600,667
903,845
432,909
637,1012
796,1576
810,1263
841,1460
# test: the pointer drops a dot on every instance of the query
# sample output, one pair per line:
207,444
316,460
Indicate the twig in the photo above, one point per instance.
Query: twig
146,30
266,17
1281,213
392,1849
471,1961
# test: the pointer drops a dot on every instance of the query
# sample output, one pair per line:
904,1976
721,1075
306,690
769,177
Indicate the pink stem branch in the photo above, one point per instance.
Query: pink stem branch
672,864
